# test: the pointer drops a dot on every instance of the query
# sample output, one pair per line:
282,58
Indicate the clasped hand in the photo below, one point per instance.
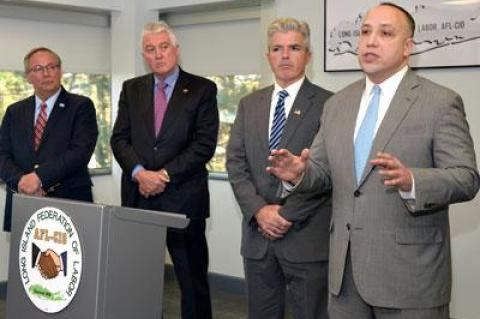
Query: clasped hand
270,223
30,184
151,183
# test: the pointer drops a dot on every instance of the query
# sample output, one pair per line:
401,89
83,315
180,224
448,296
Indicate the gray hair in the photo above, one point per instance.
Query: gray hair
158,27
26,59
289,24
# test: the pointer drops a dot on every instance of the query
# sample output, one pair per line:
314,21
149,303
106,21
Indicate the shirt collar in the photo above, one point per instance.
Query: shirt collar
389,85
50,101
292,89
170,79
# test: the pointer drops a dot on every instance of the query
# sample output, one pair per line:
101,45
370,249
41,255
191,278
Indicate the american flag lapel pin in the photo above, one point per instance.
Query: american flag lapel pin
297,112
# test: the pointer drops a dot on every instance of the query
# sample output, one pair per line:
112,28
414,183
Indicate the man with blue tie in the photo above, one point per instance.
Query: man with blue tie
47,139
396,150
164,135
284,242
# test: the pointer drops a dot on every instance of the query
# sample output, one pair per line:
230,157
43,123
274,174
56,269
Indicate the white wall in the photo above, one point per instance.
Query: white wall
223,230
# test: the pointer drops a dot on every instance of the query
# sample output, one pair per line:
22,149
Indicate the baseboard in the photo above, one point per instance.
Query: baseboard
230,284
3,290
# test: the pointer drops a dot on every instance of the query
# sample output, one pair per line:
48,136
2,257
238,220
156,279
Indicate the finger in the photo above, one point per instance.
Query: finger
305,155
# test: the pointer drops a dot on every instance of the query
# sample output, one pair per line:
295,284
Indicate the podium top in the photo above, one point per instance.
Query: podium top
166,219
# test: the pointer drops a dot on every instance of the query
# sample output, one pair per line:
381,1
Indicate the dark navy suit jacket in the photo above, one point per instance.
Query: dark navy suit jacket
66,148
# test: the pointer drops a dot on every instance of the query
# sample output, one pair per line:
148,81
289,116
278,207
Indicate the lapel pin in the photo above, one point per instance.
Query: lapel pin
185,91
297,112
61,104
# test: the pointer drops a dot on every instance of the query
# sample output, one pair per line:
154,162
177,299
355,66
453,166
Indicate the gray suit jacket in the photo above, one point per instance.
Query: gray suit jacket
400,252
254,188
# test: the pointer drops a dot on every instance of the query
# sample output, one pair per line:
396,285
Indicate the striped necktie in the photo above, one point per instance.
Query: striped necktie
40,126
279,120
366,133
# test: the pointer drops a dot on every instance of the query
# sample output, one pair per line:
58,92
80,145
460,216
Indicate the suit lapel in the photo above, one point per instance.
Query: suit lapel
401,103
346,130
300,107
146,104
263,118
60,106
29,118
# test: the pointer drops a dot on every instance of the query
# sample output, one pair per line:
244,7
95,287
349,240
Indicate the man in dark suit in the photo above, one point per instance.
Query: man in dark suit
396,149
47,140
284,242
165,133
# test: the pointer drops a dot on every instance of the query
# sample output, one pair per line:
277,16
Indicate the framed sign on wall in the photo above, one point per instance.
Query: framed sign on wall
447,33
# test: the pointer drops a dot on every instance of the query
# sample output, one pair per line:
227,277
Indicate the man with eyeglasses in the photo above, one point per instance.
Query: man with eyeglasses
47,139
164,135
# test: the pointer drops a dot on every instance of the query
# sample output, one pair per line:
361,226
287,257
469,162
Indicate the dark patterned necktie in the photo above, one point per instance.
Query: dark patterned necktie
279,119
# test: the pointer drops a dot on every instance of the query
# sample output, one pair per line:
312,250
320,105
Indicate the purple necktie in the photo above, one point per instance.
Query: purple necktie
160,105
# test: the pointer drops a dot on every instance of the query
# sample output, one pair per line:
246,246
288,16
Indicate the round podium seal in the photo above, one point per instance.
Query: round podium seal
50,259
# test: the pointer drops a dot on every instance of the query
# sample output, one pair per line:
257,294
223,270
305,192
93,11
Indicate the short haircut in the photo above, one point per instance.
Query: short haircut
158,27
289,24
410,20
26,59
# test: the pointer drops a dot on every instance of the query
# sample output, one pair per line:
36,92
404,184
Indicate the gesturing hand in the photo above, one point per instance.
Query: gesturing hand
287,166
394,172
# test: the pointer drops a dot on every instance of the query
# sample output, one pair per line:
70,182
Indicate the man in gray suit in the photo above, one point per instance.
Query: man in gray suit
284,242
389,235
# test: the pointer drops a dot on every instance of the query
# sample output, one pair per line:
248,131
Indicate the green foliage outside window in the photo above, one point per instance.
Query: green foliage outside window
14,87
231,88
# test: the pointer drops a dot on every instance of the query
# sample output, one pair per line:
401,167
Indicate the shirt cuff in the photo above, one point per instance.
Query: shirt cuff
410,194
135,171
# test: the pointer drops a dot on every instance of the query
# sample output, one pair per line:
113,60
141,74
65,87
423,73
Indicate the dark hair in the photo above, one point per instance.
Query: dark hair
410,20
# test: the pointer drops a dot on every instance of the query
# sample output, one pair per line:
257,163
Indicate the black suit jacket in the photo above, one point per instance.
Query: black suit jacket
62,159
184,145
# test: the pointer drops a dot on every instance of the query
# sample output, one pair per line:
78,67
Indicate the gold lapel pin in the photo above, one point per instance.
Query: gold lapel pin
297,112
185,91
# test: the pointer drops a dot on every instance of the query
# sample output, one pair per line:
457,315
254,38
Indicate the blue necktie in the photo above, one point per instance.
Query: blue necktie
365,135
279,120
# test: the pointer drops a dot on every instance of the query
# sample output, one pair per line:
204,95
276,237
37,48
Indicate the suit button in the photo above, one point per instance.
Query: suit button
348,226
155,148
357,193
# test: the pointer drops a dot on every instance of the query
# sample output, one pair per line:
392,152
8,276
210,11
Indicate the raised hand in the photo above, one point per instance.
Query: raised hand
394,172
287,166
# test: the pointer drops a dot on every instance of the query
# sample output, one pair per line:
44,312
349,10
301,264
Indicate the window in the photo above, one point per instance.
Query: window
231,88
14,87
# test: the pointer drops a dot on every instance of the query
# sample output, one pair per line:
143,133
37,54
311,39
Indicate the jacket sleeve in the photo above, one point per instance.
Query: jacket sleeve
121,139
239,173
9,171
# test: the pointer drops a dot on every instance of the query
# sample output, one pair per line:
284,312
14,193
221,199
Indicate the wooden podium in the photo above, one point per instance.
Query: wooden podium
121,261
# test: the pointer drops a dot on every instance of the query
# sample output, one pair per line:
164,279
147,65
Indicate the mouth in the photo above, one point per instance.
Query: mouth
369,57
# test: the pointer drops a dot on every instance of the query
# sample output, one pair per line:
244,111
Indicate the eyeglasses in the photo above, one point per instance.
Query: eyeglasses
42,68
